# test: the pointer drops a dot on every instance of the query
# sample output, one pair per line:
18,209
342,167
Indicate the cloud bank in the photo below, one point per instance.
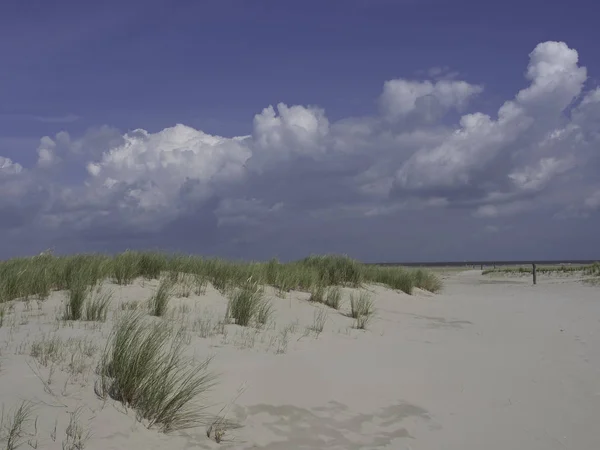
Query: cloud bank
424,178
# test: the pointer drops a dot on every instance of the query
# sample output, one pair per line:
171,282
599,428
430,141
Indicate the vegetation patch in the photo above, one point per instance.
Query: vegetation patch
143,366
22,278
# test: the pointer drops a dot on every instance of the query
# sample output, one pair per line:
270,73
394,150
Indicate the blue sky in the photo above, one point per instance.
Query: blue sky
95,71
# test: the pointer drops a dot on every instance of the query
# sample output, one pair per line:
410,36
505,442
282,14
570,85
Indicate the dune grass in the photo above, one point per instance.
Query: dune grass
264,312
77,294
96,307
333,297
247,304
14,424
361,308
317,293
143,366
320,316
587,269
593,269
38,276
158,304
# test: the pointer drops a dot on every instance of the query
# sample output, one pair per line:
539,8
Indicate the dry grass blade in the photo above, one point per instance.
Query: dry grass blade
319,319
75,435
13,425
220,425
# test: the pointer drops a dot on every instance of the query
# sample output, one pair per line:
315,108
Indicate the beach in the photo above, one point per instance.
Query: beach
490,362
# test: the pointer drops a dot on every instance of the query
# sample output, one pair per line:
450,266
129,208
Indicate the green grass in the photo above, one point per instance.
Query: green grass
143,366
592,269
317,294
333,297
77,294
22,278
247,304
159,302
361,308
96,307
264,312
126,267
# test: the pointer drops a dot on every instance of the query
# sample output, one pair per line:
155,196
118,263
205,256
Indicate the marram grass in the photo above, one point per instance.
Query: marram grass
40,275
143,366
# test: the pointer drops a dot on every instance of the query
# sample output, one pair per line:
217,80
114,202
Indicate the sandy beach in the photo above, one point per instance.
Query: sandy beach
490,362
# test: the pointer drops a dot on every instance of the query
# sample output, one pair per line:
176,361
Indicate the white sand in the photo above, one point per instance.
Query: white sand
490,363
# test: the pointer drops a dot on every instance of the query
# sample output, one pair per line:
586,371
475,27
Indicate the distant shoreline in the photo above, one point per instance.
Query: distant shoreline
487,263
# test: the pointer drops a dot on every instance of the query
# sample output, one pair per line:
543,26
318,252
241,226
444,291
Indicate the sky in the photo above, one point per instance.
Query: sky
388,130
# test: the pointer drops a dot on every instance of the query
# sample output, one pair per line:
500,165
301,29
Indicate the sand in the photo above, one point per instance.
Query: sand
489,363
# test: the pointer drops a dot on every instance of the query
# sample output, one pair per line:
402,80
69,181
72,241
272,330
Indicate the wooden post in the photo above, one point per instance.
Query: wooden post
534,274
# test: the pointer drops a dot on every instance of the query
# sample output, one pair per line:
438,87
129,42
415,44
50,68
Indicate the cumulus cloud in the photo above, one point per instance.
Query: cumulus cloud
403,98
300,177
519,149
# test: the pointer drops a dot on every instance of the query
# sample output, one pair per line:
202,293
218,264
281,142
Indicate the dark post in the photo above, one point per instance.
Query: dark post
534,274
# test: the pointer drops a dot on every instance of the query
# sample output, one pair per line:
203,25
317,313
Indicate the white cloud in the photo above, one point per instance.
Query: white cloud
298,167
153,168
290,132
46,152
537,176
402,97
7,166
556,80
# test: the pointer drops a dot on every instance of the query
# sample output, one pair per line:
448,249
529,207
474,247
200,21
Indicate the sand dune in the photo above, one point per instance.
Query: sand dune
486,364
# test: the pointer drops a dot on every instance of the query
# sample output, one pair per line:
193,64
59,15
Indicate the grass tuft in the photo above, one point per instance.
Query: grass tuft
75,434
13,425
317,294
264,312
361,308
247,303
144,368
96,307
77,295
593,269
125,267
319,319
48,350
333,298
159,302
